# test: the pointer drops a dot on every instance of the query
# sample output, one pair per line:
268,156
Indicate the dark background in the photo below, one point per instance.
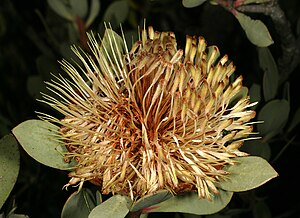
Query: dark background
28,53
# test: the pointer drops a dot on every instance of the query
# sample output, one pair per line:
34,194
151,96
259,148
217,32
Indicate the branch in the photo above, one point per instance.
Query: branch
290,46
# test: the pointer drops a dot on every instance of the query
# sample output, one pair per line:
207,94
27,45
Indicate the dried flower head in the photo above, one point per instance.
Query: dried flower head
155,117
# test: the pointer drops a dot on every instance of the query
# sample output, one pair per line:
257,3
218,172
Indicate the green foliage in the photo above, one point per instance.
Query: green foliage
150,200
112,40
117,206
41,141
240,95
244,175
255,93
271,75
255,30
191,203
274,115
79,7
116,13
9,166
192,3
79,204
61,9
94,11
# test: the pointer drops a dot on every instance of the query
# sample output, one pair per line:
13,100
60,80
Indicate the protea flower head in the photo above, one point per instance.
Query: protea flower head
153,117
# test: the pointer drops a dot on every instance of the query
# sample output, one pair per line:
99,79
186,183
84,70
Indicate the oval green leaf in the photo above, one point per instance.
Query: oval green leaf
271,75
94,11
191,203
150,200
61,9
248,173
79,7
40,140
255,93
192,3
255,30
116,207
79,204
9,166
116,13
274,116
243,93
112,46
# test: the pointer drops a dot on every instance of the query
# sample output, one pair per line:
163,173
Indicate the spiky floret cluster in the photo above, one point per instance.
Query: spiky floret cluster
155,117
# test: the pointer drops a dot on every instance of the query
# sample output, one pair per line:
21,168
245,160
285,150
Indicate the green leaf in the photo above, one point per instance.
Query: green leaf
271,75
112,45
79,7
248,173
98,197
255,30
257,148
40,140
274,116
79,204
73,36
240,95
67,53
114,207
192,3
214,2
150,200
295,121
94,11
61,9
255,93
213,54
9,166
116,13
191,203
131,37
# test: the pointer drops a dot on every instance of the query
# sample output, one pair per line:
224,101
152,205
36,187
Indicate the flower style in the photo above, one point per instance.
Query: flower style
153,117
